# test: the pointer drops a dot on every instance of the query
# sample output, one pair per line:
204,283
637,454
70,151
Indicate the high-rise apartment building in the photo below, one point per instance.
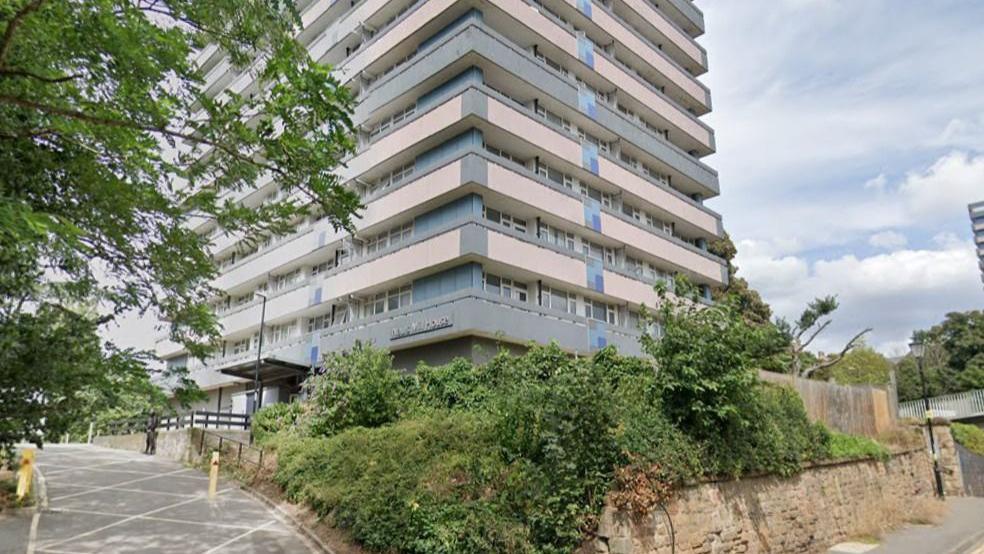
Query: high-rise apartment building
530,169
977,223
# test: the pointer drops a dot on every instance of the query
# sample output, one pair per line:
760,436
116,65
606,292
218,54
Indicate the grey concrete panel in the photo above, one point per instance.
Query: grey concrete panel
478,38
475,240
474,169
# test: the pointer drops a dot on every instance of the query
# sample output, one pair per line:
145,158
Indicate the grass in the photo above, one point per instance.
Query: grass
876,520
852,447
969,436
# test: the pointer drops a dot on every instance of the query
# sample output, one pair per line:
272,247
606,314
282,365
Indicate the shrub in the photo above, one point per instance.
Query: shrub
422,485
358,388
969,436
459,384
273,419
557,424
852,447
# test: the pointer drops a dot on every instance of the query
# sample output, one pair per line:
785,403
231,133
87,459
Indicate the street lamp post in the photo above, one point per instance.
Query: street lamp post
257,395
918,351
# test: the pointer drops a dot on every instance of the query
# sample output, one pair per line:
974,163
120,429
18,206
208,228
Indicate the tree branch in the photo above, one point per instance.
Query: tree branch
815,334
8,35
42,78
851,344
110,122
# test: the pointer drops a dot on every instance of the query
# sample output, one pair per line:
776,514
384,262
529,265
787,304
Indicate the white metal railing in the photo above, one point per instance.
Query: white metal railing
951,406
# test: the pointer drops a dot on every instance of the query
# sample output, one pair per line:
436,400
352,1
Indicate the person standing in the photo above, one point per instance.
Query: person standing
152,422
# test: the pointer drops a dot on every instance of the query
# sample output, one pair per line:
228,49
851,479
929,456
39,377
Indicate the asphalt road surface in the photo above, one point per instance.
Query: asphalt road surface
113,501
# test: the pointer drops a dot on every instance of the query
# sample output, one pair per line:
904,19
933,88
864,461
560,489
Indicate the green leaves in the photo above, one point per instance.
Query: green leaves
113,154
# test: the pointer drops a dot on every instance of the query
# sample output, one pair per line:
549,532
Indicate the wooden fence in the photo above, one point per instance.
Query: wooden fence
858,410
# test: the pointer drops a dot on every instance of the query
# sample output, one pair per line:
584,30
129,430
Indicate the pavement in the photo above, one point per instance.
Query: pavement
114,501
961,532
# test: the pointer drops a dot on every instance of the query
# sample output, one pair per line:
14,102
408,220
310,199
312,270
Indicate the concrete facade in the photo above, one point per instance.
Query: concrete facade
977,224
530,170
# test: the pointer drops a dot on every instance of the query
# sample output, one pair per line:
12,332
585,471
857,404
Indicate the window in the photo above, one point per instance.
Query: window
396,176
243,299
508,288
390,300
241,346
281,333
503,154
281,282
606,199
599,311
558,237
598,252
506,220
393,120
554,118
323,267
389,238
558,300
319,322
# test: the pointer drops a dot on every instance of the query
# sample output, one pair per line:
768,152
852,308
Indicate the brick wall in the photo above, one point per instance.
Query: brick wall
821,506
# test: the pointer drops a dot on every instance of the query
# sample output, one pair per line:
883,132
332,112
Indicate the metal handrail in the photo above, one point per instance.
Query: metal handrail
960,405
239,450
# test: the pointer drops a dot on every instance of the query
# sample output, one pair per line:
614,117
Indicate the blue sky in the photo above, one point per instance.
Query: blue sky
850,141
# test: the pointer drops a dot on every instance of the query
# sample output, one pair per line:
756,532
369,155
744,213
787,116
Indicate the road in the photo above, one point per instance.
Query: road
102,500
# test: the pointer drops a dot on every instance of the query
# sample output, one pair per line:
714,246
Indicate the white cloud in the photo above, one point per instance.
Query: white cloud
945,189
888,240
876,183
963,133
894,293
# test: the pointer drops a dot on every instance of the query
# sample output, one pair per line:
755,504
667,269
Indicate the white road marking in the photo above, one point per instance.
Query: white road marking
110,487
128,519
93,488
164,519
236,538
32,537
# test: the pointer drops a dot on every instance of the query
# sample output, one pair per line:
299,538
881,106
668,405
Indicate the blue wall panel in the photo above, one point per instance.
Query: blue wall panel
458,209
585,50
469,139
595,278
470,15
589,157
468,276
471,75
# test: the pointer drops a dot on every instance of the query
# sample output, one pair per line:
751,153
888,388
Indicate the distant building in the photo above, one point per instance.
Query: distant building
530,170
977,222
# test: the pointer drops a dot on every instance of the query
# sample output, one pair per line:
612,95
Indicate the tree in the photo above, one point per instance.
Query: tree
861,366
113,153
749,301
954,359
46,393
962,337
801,334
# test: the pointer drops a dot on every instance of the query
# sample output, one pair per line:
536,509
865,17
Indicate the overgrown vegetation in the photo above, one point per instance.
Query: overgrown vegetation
970,437
274,418
519,454
851,447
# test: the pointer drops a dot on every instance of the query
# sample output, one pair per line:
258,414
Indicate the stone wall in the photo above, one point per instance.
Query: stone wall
175,445
823,505
949,460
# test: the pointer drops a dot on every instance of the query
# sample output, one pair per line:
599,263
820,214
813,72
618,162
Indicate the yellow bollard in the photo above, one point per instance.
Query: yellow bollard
25,474
213,476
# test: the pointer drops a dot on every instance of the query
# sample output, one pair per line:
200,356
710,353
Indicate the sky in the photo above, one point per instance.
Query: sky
850,140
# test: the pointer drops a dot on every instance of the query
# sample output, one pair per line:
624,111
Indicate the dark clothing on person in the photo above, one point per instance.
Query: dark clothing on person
152,422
